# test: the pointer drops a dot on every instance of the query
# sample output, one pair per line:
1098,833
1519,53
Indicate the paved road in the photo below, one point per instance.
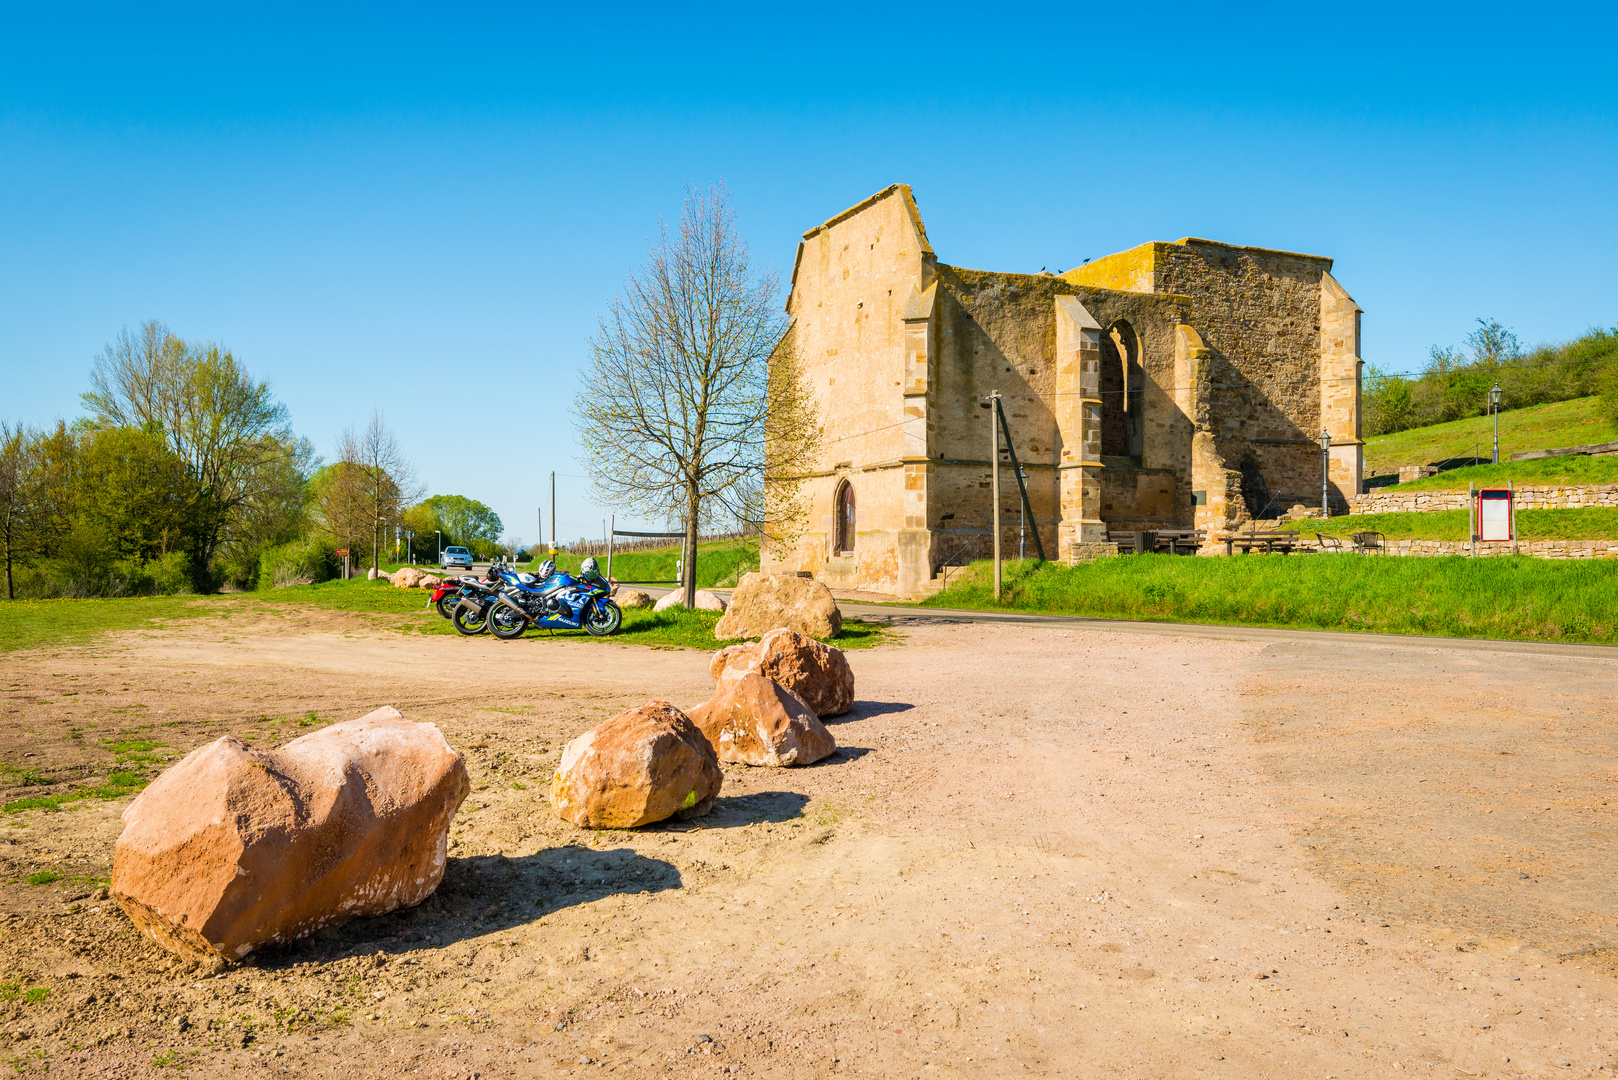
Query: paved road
907,615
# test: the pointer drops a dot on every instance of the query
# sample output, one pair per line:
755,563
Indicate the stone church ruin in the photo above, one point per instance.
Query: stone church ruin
1173,385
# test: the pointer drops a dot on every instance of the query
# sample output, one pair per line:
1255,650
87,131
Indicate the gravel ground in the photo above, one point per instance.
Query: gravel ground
1040,849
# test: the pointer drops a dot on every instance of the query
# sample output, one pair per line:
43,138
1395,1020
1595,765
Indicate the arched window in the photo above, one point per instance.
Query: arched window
1122,380
845,518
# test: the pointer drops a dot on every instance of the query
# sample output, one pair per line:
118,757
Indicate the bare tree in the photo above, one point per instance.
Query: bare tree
229,430
674,411
382,476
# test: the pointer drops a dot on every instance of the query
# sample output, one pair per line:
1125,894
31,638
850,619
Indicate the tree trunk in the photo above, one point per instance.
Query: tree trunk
11,593
689,567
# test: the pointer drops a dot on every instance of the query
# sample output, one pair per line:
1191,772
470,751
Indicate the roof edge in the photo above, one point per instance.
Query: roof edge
1188,240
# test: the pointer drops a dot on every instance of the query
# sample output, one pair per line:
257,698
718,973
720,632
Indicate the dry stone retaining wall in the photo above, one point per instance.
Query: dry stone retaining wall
1558,497
1542,549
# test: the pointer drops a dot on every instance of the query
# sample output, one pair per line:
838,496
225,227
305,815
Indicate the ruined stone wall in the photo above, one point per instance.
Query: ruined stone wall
853,277
997,331
1260,314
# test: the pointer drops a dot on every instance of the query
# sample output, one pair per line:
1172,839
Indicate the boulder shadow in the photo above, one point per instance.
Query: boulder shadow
841,755
865,710
482,895
733,811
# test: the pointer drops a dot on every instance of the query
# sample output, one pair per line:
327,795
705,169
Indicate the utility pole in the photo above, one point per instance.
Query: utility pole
553,511
994,486
1022,518
611,534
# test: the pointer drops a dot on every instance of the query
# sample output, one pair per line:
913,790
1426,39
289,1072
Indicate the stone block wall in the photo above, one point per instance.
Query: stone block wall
1529,497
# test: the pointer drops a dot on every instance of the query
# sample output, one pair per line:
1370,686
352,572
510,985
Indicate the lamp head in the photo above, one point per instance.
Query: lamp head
1495,395
1324,440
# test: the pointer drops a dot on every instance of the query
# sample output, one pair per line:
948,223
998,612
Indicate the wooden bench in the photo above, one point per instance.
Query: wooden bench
1271,542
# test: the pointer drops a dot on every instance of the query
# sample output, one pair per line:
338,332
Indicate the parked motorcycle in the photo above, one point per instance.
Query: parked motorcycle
555,600
473,601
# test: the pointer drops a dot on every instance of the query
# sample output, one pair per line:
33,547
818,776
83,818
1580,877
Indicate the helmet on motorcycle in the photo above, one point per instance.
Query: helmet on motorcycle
588,568
546,569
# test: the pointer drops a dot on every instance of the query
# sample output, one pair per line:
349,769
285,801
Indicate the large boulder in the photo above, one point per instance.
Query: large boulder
633,598
235,846
817,673
705,601
757,721
764,602
373,573
641,766
430,581
406,577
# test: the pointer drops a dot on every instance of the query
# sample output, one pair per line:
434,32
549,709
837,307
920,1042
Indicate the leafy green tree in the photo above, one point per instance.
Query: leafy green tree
226,428
36,492
465,521
136,493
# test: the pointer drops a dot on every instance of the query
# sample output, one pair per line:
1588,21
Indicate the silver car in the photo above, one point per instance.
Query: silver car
454,556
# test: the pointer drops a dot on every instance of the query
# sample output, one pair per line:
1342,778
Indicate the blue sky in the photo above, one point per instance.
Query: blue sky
421,210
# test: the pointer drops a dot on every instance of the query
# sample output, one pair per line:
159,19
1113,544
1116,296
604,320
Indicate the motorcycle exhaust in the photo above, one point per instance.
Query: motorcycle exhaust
506,600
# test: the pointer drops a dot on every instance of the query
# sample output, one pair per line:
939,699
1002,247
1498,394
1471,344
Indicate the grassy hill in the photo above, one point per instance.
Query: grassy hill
1538,427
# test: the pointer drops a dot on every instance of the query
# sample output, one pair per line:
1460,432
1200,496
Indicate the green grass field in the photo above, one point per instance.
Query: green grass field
1517,598
31,623
1579,524
1538,427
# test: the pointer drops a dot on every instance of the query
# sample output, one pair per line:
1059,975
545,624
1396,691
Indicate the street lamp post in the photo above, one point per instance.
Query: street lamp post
1325,472
439,533
1494,406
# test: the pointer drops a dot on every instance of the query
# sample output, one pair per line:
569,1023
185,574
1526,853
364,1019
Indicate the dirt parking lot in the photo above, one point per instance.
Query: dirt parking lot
1040,850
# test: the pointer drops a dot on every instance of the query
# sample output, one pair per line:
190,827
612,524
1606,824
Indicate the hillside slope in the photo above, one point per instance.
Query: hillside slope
1562,423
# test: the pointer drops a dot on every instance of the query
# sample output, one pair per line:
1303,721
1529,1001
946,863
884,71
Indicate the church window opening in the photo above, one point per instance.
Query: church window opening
845,518
1122,382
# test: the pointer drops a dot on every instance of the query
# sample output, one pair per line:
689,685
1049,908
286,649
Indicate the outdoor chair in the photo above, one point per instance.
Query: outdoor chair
1369,543
1329,543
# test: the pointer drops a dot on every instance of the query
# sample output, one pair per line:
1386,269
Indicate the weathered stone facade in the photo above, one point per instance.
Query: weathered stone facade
1170,386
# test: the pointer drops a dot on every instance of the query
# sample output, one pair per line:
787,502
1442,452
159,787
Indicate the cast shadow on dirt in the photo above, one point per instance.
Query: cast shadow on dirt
482,895
865,710
734,811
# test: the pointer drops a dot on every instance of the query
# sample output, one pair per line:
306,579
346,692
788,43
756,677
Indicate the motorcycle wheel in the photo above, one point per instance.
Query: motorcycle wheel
468,621
506,624
604,618
447,604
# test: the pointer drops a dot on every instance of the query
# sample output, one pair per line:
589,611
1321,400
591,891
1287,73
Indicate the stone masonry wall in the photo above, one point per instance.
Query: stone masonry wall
1543,549
1393,501
1260,314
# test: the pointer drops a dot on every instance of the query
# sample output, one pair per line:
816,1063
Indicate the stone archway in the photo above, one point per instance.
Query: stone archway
1122,378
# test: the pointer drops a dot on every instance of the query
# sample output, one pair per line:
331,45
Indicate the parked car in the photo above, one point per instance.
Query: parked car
454,556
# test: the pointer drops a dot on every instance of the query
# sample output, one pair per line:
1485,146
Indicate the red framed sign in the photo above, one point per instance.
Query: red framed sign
1493,520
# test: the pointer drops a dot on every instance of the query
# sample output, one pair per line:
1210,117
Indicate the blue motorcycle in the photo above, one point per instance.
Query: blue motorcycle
555,600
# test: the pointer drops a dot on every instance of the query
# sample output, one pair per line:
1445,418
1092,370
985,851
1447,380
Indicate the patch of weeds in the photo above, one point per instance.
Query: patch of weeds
309,718
827,815
178,1060
518,785
34,995
44,877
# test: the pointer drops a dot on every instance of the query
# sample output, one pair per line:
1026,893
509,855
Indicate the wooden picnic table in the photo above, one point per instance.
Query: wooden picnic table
1272,542
1168,541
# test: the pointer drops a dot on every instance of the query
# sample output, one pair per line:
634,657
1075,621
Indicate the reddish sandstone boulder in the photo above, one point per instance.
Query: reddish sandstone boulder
757,721
641,766
406,577
817,673
763,602
235,846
